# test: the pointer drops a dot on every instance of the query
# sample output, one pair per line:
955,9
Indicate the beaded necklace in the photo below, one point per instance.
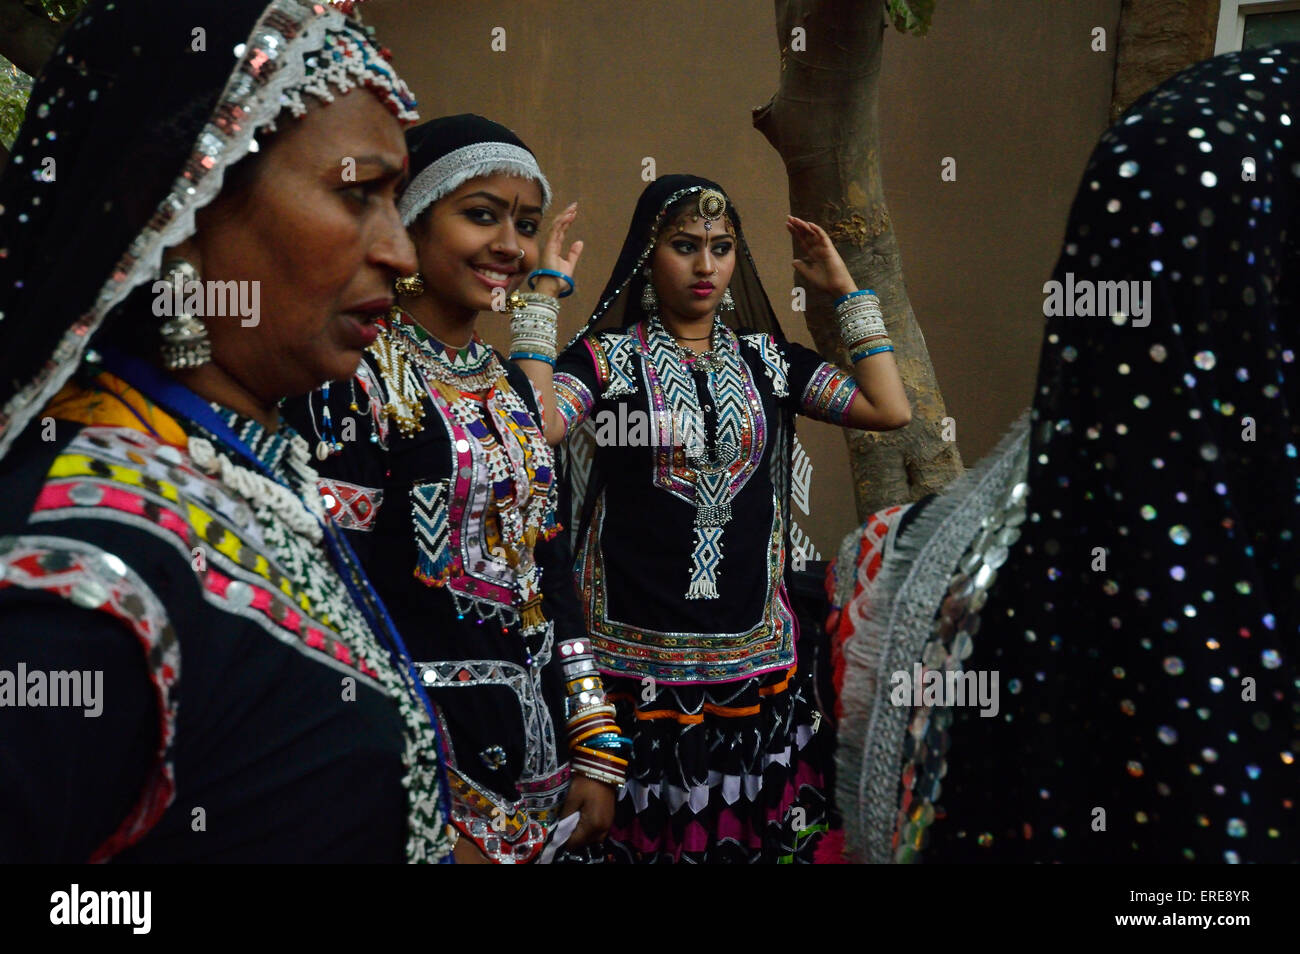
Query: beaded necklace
707,361
495,444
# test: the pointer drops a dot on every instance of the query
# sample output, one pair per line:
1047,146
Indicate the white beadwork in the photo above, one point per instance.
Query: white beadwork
303,516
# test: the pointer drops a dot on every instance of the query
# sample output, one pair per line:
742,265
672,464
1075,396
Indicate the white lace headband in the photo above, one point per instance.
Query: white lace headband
450,172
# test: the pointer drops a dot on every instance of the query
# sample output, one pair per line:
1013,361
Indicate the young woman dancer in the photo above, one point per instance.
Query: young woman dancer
435,461
683,527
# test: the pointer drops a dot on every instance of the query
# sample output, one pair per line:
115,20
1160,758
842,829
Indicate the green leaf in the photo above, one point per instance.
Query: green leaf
910,16
15,88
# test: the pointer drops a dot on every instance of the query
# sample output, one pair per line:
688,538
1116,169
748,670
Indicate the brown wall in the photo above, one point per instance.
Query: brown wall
1009,88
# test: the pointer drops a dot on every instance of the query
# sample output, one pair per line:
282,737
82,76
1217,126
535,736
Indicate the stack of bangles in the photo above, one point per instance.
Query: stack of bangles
533,320
862,325
597,749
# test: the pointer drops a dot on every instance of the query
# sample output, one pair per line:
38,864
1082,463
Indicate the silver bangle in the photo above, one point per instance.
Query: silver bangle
534,318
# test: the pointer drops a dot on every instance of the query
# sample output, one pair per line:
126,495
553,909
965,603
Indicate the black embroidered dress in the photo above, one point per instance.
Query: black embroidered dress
682,462
448,494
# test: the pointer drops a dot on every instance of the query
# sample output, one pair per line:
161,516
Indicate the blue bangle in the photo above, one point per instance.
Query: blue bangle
538,272
857,356
516,355
853,294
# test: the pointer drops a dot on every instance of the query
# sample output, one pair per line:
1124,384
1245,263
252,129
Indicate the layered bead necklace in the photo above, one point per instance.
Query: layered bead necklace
470,387
404,347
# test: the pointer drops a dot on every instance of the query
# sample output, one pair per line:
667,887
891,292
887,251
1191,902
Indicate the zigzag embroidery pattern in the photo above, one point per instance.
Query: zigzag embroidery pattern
429,514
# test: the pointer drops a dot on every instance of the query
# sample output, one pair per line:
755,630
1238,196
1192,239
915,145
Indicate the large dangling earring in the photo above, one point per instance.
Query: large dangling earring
649,300
185,337
728,303
409,286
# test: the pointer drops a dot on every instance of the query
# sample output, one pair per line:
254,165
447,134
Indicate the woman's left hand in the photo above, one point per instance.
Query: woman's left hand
553,254
595,803
821,264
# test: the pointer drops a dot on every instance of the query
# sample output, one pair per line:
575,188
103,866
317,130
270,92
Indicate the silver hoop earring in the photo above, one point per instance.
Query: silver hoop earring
185,337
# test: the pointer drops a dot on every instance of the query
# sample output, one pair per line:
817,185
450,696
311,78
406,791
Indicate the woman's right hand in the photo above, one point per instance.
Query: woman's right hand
553,256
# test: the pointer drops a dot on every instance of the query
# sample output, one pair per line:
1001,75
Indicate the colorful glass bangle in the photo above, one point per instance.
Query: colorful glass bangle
607,763
853,294
531,356
588,735
601,763
539,272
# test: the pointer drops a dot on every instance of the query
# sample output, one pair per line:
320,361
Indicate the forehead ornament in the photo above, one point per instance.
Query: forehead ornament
712,205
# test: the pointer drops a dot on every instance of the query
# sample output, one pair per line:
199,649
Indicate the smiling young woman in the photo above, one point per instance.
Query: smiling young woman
450,496
162,520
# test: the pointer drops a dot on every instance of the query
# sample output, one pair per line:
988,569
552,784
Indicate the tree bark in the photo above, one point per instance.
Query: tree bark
27,40
824,122
1156,39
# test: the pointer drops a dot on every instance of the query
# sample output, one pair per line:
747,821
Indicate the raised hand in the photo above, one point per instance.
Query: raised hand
553,255
821,264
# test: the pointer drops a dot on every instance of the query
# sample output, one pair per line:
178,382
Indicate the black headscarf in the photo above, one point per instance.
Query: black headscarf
130,129
449,151
620,303
1144,624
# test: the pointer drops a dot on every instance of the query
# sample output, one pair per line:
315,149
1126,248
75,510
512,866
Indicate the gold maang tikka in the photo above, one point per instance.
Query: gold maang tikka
712,206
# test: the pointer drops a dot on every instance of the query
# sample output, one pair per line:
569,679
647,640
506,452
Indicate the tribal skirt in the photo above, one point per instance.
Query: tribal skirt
729,773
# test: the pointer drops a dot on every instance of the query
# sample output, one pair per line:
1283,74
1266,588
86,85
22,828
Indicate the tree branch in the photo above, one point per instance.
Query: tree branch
26,40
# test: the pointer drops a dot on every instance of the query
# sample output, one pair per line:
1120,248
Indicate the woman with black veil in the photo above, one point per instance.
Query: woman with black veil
1125,563
160,526
689,390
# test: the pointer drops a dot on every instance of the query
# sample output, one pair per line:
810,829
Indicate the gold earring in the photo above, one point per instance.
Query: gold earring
409,286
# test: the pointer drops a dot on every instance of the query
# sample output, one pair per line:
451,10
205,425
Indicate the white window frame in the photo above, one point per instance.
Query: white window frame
1232,19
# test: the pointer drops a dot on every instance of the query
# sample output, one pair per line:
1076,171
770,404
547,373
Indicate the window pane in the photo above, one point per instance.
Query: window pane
1266,29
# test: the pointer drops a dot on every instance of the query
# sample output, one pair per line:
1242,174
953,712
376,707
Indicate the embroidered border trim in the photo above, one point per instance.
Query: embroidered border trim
450,172
82,486
889,637
351,506
774,364
94,579
623,649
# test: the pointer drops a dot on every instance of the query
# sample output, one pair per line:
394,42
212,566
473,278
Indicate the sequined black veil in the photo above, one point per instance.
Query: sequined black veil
619,308
1143,625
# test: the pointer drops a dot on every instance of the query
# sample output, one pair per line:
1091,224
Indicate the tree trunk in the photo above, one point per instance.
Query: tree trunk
823,121
27,40
1156,39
